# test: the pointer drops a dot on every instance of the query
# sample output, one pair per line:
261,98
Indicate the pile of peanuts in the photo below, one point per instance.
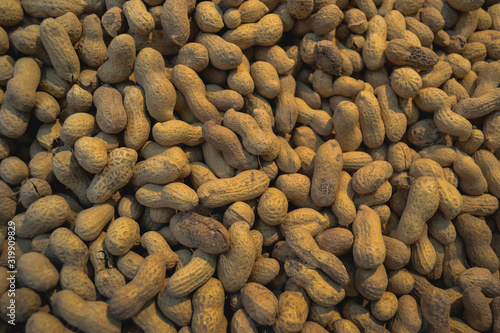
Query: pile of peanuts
250,166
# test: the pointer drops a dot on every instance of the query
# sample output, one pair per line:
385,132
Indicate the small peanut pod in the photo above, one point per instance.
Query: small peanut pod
240,80
423,254
37,272
369,248
249,12
192,88
199,270
224,99
346,124
300,9
13,123
370,119
423,202
260,303
370,177
114,21
318,120
77,126
63,56
208,17
245,186
322,290
293,308
197,231
138,125
343,206
139,19
401,52
436,305
287,160
32,190
329,17
306,156
255,140
393,117
472,180
328,58
238,211
21,88
276,56
13,170
309,219
194,55
328,165
408,317
114,176
43,215
121,59
286,108
122,235
264,270
266,79
149,71
128,300
373,50
273,206
397,253
488,164
91,47
154,242
79,99
111,116
405,81
235,266
47,134
223,54
200,173
175,132
162,169
91,221
208,308
371,283
173,195
175,21
86,315
266,32
46,107
491,131
477,238
225,140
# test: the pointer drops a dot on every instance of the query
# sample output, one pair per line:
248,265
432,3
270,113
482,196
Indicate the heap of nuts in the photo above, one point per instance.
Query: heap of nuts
249,166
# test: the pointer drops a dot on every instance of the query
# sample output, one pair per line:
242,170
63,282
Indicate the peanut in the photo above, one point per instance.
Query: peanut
128,300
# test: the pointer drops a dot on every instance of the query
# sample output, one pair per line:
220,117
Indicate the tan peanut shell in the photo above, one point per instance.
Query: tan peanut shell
61,52
245,186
